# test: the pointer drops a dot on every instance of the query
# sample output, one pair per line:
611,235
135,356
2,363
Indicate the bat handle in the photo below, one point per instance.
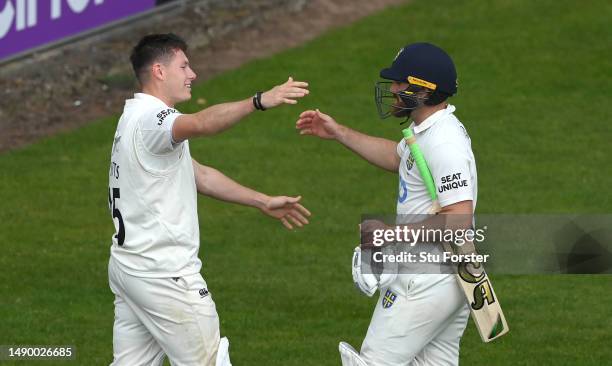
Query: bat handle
435,208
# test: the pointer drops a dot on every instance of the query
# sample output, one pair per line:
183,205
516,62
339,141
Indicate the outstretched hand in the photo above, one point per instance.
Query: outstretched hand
316,123
286,93
287,210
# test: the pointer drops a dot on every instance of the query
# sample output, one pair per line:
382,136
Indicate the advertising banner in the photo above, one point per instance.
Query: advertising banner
27,24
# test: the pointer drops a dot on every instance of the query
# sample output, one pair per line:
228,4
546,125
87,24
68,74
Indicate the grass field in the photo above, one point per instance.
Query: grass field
534,92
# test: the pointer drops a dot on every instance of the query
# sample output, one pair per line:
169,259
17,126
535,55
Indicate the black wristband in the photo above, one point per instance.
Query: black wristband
257,101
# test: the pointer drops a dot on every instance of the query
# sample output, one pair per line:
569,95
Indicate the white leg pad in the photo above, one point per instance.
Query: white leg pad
223,353
349,356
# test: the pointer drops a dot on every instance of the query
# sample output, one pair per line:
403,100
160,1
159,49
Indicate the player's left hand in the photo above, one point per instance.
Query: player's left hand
286,93
288,210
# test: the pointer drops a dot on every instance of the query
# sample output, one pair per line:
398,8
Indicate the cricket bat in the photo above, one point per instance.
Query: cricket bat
472,278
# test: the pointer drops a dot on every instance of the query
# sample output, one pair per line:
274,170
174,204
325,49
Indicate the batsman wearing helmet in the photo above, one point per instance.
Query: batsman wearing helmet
419,318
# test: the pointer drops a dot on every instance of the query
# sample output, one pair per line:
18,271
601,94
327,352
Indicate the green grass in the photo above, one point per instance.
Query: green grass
534,92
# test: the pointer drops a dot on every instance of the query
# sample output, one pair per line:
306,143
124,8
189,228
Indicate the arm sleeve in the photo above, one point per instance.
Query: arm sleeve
401,148
156,130
451,172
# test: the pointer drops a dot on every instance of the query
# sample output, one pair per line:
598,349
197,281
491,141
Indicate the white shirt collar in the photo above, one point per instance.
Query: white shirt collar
150,98
429,121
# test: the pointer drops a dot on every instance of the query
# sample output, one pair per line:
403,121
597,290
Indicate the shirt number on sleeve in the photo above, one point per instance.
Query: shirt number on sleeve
113,194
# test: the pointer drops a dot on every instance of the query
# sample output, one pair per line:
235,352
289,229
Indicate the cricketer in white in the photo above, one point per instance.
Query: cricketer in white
162,304
429,313
419,318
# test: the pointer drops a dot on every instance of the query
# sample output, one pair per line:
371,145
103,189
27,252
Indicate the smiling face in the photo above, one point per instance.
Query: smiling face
177,78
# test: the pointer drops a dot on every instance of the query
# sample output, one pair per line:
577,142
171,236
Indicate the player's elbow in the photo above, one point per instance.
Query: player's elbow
202,177
393,163
206,179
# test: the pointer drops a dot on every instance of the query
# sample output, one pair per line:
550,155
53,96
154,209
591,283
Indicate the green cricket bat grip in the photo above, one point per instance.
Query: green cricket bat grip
420,163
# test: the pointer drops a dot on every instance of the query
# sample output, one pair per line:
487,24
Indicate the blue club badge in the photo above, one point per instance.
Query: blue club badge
388,299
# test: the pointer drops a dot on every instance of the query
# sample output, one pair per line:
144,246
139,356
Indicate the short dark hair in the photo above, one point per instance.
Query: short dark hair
154,47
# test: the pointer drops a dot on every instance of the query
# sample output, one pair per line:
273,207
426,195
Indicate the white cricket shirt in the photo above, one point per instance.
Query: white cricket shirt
152,194
447,148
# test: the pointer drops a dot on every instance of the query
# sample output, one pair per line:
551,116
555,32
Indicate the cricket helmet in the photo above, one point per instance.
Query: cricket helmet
424,67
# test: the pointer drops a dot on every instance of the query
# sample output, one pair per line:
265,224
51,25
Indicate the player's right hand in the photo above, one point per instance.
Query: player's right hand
366,232
316,123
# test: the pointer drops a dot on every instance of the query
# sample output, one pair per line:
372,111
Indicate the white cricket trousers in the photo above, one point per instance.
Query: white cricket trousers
155,317
418,320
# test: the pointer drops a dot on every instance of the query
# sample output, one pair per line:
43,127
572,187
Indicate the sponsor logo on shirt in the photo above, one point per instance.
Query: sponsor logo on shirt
161,116
452,181
203,292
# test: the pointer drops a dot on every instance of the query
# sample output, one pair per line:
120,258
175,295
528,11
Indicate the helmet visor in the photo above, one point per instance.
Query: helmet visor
389,103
